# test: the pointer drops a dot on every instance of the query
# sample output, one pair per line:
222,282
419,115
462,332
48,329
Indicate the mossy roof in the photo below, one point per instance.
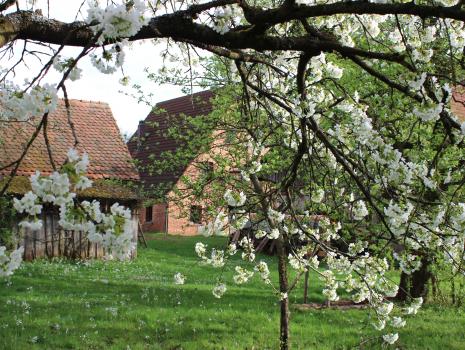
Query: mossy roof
101,189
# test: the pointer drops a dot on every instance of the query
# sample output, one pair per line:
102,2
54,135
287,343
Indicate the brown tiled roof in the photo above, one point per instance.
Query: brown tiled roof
96,131
151,140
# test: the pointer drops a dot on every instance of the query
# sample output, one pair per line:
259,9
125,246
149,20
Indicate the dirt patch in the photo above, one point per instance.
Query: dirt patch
338,305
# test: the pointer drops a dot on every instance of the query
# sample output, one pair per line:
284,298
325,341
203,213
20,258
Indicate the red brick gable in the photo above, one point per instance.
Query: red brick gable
97,133
457,104
151,140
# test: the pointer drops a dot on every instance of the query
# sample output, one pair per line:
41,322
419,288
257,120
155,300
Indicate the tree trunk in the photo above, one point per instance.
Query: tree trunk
283,287
420,279
404,287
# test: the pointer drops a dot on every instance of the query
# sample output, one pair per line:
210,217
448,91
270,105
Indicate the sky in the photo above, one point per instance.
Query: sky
96,86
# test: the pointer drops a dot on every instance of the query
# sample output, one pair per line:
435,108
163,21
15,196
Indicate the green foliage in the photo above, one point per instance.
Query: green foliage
7,221
448,285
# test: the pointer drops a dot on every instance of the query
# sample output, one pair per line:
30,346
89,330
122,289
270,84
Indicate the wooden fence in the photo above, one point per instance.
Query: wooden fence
53,241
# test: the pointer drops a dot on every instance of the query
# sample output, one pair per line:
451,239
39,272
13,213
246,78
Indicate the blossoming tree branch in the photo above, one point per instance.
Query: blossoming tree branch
343,109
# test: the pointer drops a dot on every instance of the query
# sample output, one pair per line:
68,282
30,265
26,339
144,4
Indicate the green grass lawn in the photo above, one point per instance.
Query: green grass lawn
136,305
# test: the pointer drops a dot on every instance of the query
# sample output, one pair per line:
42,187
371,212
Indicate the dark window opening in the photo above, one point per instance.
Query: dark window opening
148,214
196,214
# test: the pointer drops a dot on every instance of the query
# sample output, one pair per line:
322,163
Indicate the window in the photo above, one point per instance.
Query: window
148,214
196,214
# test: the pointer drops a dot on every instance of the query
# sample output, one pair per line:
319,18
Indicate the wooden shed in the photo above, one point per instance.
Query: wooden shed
92,126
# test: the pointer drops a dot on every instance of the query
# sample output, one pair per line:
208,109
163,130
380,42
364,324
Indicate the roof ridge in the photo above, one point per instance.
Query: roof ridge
85,101
184,97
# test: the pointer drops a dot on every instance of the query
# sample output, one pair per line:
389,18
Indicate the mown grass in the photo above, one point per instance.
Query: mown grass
110,305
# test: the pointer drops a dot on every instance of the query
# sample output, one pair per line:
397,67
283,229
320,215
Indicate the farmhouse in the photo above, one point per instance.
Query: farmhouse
91,128
151,142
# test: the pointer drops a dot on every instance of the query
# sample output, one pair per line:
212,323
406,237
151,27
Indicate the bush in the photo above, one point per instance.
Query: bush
7,220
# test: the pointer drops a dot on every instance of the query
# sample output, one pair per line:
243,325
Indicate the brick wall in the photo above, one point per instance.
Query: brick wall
178,220
179,223
158,222
179,209
458,104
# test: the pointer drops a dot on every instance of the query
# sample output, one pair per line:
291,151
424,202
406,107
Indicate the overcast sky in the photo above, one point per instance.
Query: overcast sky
96,86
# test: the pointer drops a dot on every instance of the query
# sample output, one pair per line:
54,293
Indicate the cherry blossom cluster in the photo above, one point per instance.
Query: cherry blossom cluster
21,105
117,21
9,263
223,17
358,273
110,59
113,230
216,227
234,199
62,65
114,24
218,258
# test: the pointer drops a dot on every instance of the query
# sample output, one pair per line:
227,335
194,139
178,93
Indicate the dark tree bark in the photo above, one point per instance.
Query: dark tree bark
283,288
420,279
181,26
282,271
404,287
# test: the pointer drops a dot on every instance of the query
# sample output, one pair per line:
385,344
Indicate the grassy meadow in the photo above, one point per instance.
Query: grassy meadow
136,305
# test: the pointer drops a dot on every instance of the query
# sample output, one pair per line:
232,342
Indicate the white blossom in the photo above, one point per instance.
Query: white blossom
318,195
179,278
234,199
262,269
19,105
219,290
428,114
390,338
117,21
359,210
274,234
275,216
8,264
113,230
200,249
398,322
414,306
242,275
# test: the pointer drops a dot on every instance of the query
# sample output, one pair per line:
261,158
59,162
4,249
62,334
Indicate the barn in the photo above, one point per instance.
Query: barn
89,127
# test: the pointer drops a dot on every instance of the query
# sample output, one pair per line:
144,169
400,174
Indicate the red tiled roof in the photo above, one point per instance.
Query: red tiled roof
96,131
151,139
